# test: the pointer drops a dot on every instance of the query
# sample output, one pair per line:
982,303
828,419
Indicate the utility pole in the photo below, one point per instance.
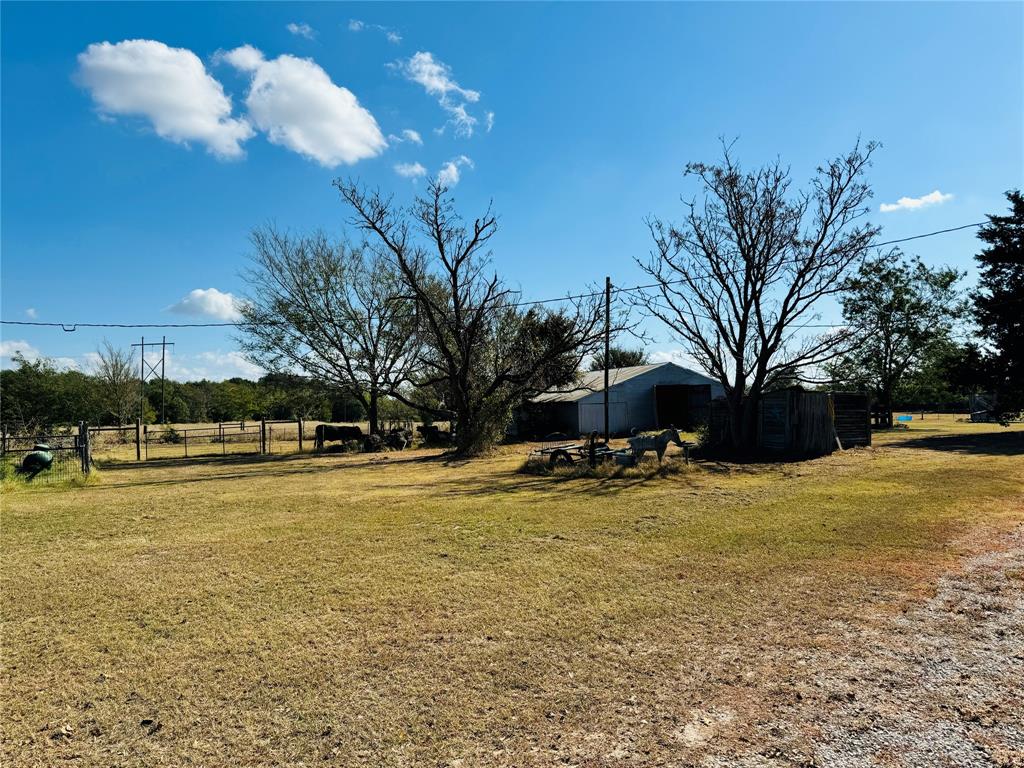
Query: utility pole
149,371
163,381
607,351
142,381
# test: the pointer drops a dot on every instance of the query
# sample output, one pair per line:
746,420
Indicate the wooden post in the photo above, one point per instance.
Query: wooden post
83,440
300,435
263,436
138,440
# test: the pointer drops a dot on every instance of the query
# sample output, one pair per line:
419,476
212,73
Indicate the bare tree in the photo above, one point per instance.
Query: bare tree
482,354
334,312
119,382
739,279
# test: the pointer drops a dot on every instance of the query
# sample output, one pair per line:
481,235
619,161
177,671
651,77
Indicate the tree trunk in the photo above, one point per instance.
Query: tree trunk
465,434
736,421
749,433
743,424
885,400
374,426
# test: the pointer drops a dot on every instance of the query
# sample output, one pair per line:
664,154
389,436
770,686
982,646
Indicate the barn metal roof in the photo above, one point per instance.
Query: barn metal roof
593,381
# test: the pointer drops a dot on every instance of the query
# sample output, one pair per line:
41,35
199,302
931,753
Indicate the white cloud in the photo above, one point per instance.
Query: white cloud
67,363
211,365
667,356
912,203
408,134
215,365
295,102
31,313
392,36
677,356
208,302
10,347
410,170
244,57
91,361
490,121
169,87
436,78
450,173
301,30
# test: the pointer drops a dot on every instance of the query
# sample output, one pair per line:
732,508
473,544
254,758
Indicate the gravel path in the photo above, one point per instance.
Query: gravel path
940,685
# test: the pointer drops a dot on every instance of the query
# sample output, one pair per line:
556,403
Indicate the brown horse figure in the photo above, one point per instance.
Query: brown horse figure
641,444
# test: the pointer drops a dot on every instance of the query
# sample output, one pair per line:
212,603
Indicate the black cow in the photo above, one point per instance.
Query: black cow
329,432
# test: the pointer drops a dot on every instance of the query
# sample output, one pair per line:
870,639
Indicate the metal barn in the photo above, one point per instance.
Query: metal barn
640,397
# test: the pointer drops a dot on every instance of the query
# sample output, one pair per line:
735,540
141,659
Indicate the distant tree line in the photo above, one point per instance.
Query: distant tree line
38,396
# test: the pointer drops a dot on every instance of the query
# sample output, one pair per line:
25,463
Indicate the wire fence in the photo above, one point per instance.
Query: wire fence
71,452
235,438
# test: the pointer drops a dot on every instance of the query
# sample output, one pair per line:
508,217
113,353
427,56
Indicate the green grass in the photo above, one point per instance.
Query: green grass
401,609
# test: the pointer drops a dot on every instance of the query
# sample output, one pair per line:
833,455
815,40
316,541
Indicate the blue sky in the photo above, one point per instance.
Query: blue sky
132,173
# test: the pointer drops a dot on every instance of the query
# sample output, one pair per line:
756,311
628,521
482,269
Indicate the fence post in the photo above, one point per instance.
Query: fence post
138,440
83,447
300,435
263,436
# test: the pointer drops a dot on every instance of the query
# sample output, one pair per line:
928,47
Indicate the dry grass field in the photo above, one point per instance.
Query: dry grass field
404,610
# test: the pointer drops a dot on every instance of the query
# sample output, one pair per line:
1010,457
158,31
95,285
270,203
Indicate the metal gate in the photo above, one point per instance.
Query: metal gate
69,452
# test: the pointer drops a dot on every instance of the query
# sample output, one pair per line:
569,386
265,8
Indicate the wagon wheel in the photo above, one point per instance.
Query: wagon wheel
560,458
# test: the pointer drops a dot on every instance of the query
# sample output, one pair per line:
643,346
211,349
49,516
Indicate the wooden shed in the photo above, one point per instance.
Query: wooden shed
796,422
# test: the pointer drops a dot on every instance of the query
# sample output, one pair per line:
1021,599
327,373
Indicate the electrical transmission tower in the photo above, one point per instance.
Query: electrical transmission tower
148,371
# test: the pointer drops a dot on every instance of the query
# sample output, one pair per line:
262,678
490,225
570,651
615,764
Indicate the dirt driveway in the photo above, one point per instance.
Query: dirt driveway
941,684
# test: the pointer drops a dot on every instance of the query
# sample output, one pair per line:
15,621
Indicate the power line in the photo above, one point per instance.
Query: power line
72,327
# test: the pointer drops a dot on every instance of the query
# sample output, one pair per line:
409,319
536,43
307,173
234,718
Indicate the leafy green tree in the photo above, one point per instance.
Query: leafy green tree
331,311
902,311
945,378
999,302
37,397
619,357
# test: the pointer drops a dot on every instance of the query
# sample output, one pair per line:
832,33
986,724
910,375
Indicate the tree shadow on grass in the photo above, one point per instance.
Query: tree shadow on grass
979,444
249,466
511,483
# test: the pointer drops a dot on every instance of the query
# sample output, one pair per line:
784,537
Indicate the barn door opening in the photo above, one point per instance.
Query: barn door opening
684,406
